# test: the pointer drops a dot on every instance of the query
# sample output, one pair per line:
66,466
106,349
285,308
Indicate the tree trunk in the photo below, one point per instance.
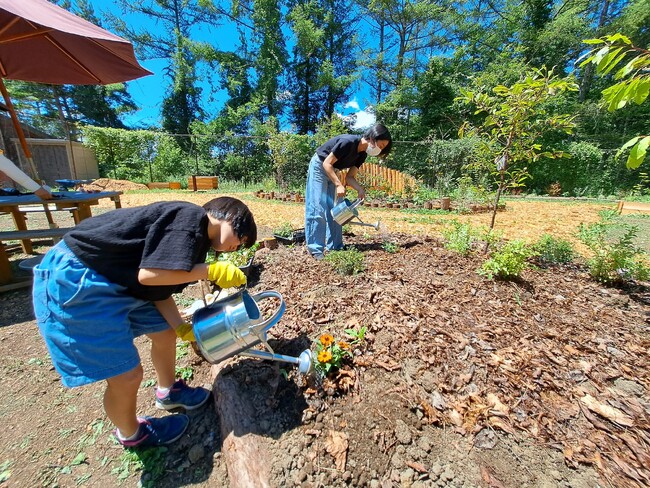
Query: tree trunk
496,201
244,452
588,76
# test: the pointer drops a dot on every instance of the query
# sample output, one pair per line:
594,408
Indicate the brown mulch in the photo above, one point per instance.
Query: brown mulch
554,355
552,363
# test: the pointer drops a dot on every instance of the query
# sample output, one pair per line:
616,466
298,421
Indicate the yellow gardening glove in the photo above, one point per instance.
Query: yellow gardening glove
185,332
225,274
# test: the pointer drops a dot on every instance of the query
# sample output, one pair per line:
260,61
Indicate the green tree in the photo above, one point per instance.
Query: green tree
632,65
323,65
515,120
407,34
172,41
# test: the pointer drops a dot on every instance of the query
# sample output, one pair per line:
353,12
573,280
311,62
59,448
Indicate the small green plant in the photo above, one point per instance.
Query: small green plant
5,471
330,354
348,262
459,238
357,335
182,349
507,262
615,258
186,373
390,247
285,230
151,461
553,251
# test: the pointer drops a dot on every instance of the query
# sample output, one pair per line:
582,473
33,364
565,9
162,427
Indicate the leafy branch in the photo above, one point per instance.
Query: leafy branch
632,66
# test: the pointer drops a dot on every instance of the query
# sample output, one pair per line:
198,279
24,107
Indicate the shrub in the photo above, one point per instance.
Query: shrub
459,238
615,257
390,247
346,262
507,262
553,251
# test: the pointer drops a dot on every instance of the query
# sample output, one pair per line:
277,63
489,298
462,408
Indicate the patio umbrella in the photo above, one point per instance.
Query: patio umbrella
44,43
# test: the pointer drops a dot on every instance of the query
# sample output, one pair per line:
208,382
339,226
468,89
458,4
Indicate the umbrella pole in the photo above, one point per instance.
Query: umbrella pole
19,130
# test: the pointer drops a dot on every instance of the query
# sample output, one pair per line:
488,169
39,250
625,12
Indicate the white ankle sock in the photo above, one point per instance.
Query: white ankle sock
131,438
163,392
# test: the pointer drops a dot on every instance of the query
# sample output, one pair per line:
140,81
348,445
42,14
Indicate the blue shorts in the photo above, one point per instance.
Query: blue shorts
88,322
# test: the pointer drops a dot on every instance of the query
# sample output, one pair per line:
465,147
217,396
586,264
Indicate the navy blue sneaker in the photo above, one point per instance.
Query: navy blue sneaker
157,431
182,396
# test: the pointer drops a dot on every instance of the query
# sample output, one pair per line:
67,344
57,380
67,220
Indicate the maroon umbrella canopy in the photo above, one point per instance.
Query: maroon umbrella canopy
42,42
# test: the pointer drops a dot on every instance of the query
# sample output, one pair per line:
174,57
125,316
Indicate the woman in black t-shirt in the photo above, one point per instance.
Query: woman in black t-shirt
324,186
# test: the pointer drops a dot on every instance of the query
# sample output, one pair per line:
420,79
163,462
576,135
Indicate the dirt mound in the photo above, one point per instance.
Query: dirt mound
106,184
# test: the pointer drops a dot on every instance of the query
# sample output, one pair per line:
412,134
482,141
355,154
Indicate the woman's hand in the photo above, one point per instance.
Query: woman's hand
340,191
361,193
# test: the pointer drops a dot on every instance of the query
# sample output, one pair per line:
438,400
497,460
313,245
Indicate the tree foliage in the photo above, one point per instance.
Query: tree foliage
630,67
515,120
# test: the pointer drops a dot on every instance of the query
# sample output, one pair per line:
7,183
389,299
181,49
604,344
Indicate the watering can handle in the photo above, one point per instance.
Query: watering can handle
275,318
354,204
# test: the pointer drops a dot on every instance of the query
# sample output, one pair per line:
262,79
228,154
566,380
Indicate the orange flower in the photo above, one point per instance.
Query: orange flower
344,345
324,356
326,340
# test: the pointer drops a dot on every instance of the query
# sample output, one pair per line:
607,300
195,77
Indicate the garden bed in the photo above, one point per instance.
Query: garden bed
459,379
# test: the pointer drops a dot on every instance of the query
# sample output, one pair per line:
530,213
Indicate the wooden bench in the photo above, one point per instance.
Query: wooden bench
633,207
6,275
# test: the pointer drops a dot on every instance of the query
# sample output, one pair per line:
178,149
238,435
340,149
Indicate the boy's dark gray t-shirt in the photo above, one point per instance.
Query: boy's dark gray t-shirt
163,235
346,149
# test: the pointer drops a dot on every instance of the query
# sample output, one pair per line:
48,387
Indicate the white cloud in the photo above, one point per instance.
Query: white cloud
352,104
364,119
356,118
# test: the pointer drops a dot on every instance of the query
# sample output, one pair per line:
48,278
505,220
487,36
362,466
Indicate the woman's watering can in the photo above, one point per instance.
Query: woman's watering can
344,211
234,324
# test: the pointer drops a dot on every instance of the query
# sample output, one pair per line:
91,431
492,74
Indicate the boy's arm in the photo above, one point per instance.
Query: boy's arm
161,277
224,274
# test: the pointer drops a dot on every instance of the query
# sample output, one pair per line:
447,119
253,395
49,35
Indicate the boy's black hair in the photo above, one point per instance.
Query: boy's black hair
237,214
379,132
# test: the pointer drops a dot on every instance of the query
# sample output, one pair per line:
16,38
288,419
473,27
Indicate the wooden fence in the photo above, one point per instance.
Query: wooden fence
377,177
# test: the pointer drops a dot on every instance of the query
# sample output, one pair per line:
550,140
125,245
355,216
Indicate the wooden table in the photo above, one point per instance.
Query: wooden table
79,202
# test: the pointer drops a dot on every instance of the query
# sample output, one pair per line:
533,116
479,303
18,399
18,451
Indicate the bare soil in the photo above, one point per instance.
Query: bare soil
460,381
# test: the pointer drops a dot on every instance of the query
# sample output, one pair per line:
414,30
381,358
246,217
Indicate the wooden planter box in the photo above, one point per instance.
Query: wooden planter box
203,182
159,185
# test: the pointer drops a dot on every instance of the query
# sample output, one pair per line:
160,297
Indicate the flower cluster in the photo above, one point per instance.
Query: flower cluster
330,354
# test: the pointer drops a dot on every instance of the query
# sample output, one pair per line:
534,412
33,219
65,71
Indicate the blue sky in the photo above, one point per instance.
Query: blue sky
148,92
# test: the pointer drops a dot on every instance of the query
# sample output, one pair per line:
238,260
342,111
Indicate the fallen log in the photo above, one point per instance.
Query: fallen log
244,452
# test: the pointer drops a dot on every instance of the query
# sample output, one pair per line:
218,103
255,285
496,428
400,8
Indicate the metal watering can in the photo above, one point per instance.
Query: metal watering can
344,211
234,324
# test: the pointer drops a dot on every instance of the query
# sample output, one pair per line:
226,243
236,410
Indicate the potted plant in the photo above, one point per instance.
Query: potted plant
287,235
242,258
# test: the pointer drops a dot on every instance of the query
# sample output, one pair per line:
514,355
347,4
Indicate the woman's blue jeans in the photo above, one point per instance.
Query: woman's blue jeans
321,230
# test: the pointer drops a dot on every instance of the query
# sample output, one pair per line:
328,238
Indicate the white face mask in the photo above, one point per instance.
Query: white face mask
373,150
